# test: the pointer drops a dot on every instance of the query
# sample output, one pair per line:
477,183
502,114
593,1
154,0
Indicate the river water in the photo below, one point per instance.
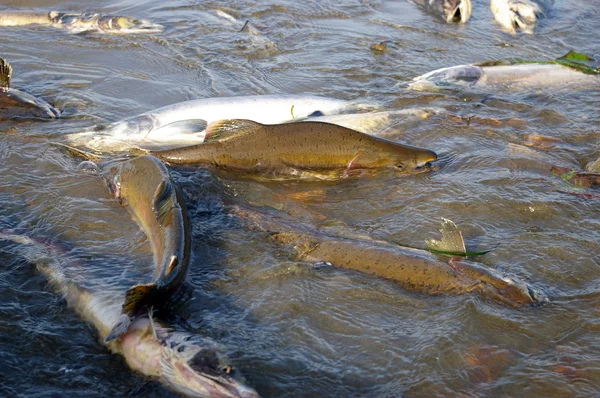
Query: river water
295,330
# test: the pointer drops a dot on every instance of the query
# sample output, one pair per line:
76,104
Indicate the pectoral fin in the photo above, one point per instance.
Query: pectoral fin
227,129
452,241
138,298
5,75
185,127
120,327
163,201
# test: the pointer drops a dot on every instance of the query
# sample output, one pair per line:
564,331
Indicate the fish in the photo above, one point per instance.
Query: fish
374,123
184,123
80,22
415,270
451,11
572,69
186,363
519,15
309,150
19,104
144,186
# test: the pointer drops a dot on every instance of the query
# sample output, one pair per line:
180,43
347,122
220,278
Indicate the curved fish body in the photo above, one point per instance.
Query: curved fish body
305,149
80,22
414,269
185,363
451,11
144,186
18,104
184,123
519,15
502,75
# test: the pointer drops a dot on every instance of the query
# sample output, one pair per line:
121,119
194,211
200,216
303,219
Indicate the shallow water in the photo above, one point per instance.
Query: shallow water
291,328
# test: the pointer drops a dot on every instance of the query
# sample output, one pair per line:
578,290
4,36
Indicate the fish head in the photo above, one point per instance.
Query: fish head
410,159
517,15
516,293
447,78
456,11
193,366
118,24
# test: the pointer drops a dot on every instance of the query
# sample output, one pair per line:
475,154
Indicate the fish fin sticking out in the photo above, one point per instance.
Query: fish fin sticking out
5,75
452,241
137,299
191,126
223,130
119,328
79,153
163,202
138,152
580,62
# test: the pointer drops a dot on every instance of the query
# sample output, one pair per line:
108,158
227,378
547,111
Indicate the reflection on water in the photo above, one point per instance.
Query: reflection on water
291,328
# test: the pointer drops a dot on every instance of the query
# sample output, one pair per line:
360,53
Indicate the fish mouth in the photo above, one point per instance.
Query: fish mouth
128,25
460,12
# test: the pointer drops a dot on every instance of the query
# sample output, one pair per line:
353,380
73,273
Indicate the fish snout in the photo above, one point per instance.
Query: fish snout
423,162
457,11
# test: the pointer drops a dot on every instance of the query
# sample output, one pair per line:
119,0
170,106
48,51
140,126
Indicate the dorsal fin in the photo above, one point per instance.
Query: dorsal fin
5,75
222,130
452,240
163,202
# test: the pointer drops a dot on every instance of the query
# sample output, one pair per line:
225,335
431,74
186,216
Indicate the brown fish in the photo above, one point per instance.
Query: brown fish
19,104
414,269
144,186
307,149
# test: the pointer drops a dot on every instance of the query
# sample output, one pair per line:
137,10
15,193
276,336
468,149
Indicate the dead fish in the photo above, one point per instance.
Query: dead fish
18,104
519,15
458,11
186,363
80,22
414,269
305,149
144,186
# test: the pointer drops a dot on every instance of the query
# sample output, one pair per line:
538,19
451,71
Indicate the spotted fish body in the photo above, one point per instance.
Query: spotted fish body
305,149
144,186
19,104
414,269
80,22
188,364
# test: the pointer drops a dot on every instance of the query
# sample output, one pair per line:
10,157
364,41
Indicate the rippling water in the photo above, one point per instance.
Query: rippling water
292,329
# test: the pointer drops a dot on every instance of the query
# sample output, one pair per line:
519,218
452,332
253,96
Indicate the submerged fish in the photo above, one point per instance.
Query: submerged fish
144,186
184,123
80,22
304,149
519,15
185,363
413,269
571,69
18,104
449,10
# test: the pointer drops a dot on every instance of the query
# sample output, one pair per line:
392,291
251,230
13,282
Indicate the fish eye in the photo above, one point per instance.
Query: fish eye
400,166
226,369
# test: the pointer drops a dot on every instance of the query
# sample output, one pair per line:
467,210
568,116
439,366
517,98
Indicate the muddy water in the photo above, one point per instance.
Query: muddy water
294,329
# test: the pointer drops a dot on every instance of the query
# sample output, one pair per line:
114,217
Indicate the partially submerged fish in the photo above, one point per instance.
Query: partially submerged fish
519,15
18,104
373,123
304,149
413,269
185,363
571,69
80,22
184,123
458,11
144,186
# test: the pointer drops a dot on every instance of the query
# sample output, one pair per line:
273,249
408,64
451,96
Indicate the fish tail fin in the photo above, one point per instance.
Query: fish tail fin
5,75
79,153
452,240
138,299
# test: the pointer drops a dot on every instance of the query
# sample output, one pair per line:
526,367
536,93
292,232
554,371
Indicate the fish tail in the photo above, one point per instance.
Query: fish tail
138,299
5,75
